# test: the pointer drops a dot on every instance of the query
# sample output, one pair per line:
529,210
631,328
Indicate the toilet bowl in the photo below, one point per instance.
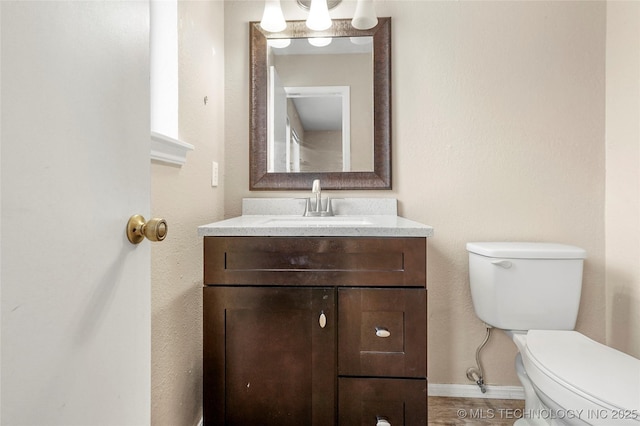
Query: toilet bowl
577,381
568,379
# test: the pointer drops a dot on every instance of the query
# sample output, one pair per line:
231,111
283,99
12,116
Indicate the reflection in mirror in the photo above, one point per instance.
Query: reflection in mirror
310,132
320,107
313,93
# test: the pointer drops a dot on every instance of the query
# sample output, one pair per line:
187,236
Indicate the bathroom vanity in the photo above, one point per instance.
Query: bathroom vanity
310,321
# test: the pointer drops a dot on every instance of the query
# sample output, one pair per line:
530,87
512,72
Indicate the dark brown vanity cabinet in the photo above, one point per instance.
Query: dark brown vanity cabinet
315,331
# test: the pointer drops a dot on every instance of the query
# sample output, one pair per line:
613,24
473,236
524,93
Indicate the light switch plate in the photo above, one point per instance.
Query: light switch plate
214,174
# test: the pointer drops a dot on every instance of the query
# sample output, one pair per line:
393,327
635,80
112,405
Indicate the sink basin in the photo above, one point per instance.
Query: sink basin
318,221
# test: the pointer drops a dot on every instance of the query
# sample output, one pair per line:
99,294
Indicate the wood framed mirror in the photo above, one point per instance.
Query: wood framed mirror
376,175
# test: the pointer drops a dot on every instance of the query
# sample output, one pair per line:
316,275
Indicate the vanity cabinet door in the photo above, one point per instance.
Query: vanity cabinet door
269,356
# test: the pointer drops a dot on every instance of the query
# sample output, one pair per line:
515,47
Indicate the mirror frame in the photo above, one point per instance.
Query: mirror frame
380,177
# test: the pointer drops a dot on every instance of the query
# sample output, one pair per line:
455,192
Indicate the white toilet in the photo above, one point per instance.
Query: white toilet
532,292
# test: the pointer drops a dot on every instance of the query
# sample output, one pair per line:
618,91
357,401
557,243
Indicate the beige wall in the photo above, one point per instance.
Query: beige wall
184,196
498,134
623,176
322,147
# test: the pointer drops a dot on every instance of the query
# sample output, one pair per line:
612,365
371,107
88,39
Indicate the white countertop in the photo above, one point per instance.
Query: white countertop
298,226
282,217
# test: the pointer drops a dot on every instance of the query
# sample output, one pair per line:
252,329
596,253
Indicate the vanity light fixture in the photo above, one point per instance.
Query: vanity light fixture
318,20
272,17
365,16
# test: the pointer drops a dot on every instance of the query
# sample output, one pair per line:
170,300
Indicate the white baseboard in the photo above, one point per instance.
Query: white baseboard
473,391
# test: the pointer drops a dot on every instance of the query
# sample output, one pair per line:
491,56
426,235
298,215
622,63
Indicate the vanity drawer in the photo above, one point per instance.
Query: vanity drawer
399,401
382,332
315,261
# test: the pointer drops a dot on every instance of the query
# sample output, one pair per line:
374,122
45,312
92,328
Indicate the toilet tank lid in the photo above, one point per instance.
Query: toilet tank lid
526,250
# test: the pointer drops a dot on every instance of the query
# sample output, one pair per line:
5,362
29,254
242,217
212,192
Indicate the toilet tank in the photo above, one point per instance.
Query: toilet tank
526,286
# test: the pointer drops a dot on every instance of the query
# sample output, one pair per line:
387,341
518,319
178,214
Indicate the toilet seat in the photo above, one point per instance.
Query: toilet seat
596,372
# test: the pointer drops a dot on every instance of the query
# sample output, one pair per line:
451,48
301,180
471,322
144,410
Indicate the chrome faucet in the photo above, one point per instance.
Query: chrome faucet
315,209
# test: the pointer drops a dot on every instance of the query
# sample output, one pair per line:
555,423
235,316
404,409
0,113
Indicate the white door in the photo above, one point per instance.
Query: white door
75,331
277,123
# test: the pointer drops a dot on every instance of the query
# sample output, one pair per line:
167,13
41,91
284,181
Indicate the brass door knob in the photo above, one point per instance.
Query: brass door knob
137,228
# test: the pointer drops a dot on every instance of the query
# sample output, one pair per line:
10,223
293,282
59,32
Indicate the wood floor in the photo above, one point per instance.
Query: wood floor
473,411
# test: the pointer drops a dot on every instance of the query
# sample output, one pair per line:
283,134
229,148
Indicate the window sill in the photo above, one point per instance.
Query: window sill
168,150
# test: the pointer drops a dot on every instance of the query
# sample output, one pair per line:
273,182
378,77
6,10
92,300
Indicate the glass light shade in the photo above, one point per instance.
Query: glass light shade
365,17
319,41
319,19
272,18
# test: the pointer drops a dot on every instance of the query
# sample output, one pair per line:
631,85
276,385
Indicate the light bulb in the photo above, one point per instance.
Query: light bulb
272,18
319,19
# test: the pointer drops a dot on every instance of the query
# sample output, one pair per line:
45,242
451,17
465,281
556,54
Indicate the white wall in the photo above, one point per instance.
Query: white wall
623,176
498,134
184,196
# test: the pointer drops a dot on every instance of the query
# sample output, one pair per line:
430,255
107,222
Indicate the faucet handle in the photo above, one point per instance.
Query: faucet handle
307,207
329,209
316,186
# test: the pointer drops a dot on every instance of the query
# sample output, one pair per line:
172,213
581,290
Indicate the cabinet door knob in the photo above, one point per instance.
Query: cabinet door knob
382,421
322,320
382,332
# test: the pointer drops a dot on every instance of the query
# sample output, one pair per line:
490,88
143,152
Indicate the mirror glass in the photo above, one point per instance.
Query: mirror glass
314,91
320,107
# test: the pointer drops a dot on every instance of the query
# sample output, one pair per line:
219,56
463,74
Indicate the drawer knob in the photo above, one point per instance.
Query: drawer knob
322,320
382,332
382,421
